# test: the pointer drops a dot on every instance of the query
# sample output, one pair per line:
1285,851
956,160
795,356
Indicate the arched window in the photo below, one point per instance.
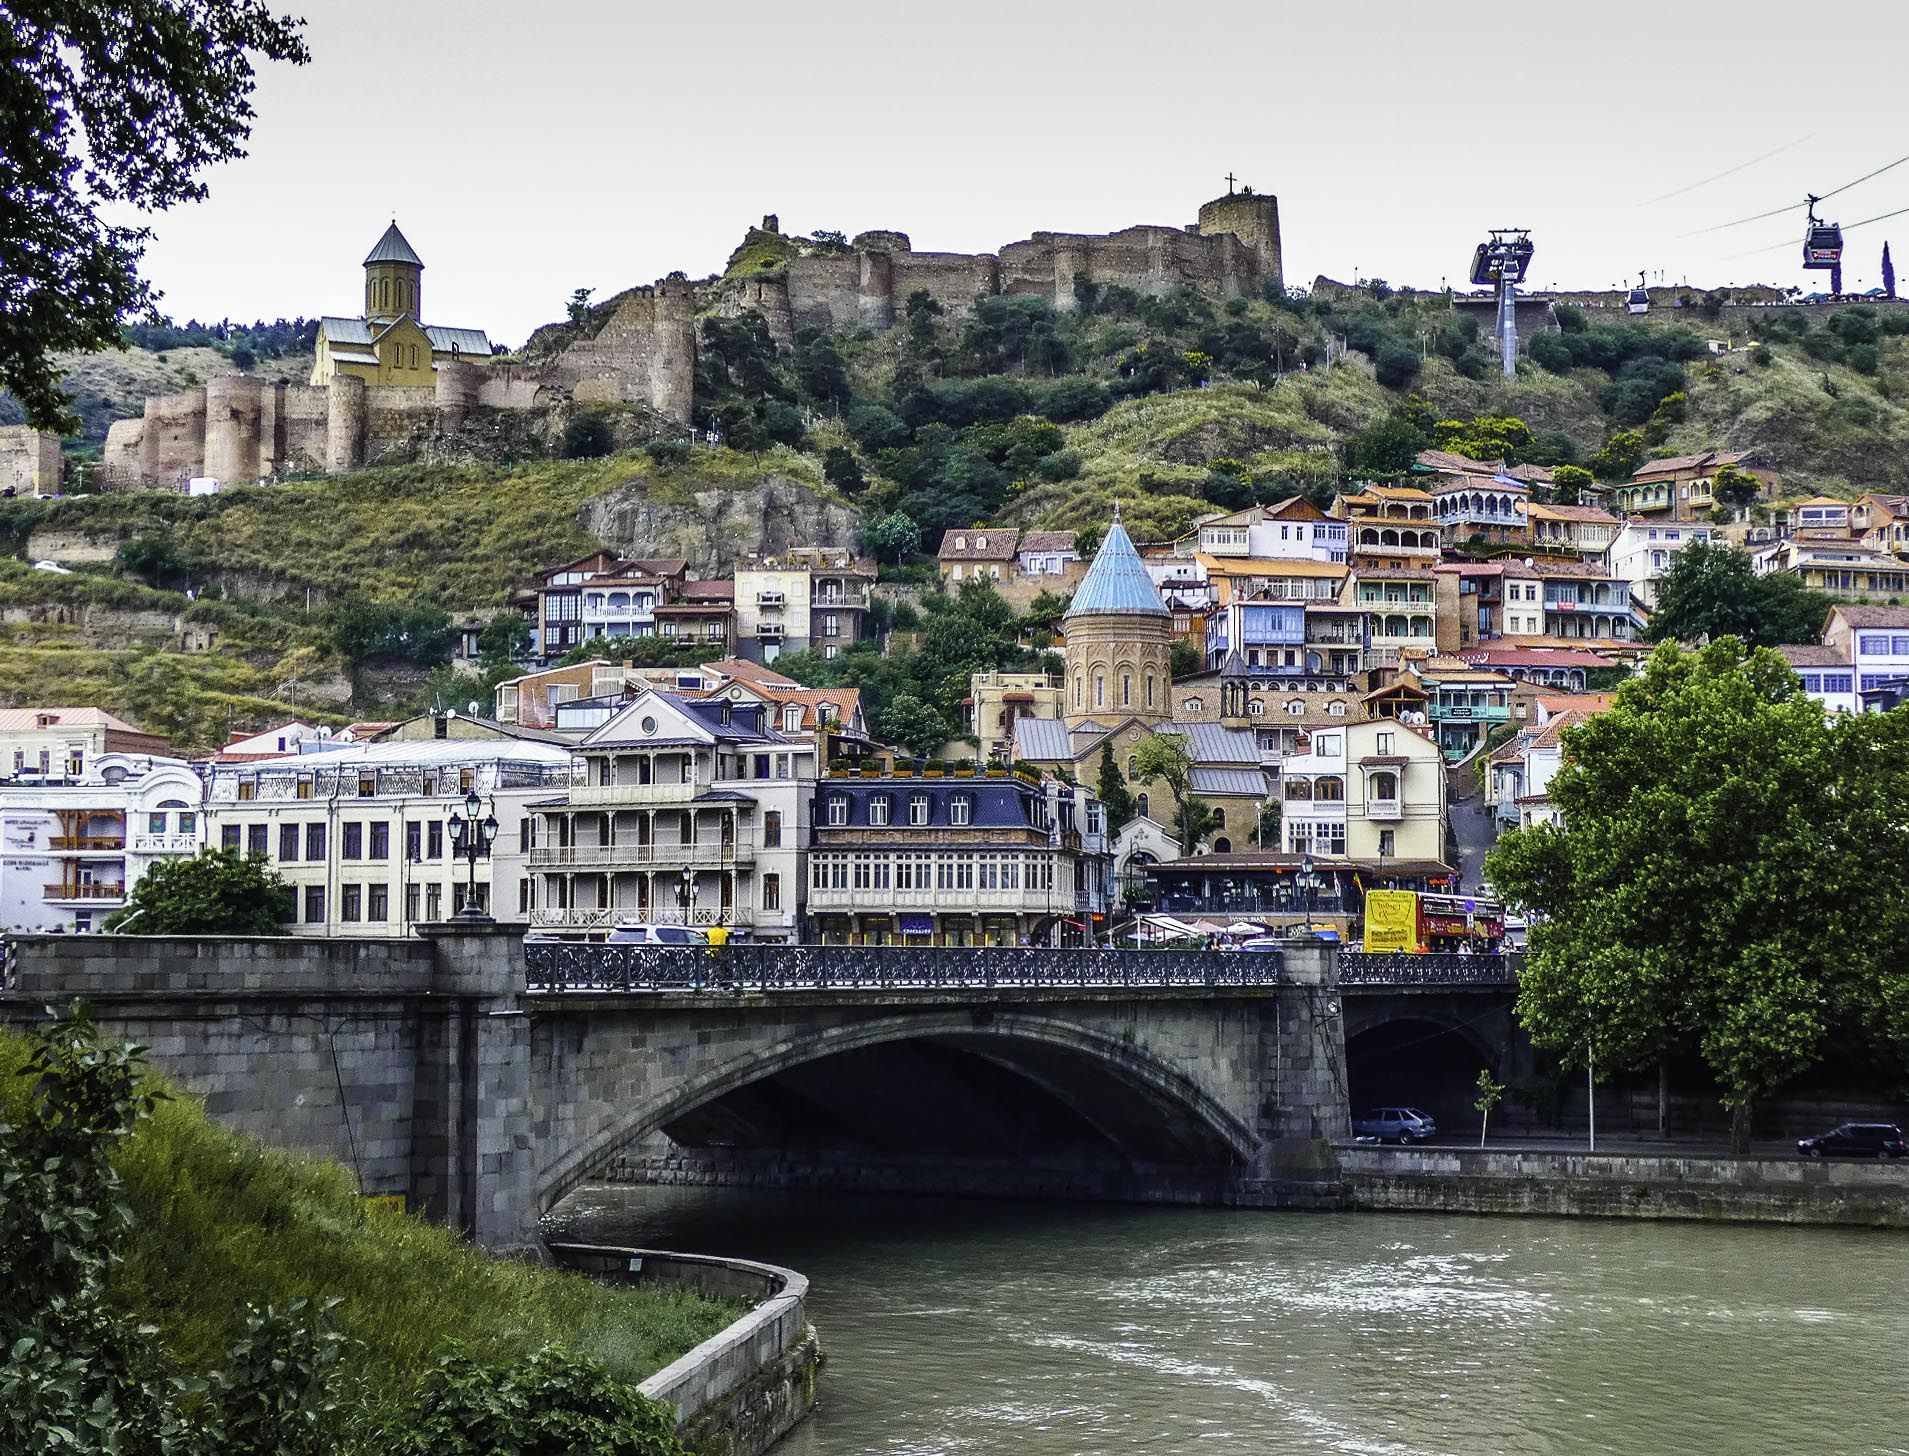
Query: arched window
1296,708
1126,689
1191,705
1140,805
1335,709
1149,690
1222,845
1077,692
1100,690
1256,708
1132,764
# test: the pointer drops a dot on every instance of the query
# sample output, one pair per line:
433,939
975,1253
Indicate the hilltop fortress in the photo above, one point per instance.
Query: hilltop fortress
386,386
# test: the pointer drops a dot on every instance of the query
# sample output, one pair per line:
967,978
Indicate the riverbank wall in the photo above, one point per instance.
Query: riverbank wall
747,1386
1623,1185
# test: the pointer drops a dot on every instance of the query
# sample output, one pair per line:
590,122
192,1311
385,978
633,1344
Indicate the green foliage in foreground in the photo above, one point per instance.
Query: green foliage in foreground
215,892
1722,882
176,1288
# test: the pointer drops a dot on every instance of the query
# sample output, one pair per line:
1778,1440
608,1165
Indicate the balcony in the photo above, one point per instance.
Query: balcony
88,841
770,600
587,796
84,892
1384,809
640,856
165,844
769,631
605,919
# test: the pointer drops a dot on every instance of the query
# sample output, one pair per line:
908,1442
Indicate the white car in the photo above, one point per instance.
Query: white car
52,566
637,934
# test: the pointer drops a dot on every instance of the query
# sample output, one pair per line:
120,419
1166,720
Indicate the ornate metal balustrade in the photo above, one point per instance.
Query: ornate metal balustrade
1358,968
560,966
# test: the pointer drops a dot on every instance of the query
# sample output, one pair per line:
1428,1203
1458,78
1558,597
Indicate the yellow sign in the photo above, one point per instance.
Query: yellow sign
1391,920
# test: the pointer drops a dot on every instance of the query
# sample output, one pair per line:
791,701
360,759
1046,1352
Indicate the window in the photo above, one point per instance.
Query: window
381,841
1133,764
960,809
1191,705
378,903
314,903
351,903
1388,844
1100,690
433,902
229,838
772,829
838,809
248,788
772,892
353,846
288,841
255,839
831,625
1126,689
155,823
410,902
1093,816
434,840
1385,743
1140,805
188,823
878,810
792,718
918,808
367,785
314,841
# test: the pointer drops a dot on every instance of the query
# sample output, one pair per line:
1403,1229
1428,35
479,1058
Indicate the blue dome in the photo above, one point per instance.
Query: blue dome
1117,583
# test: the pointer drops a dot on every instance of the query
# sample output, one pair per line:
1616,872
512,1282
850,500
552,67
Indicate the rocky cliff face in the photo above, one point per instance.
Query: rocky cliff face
714,525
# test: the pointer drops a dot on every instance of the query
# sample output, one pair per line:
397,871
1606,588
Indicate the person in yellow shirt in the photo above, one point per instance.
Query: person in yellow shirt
718,937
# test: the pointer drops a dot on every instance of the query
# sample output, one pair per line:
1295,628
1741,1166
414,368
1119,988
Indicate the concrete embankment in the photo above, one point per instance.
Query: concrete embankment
744,1388
1626,1185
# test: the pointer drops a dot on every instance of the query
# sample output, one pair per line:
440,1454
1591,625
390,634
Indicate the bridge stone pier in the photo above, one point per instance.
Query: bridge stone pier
484,1089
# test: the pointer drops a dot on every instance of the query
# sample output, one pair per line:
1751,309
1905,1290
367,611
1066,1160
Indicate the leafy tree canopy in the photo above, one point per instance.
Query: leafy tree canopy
1114,794
910,723
1706,889
215,892
1711,591
108,109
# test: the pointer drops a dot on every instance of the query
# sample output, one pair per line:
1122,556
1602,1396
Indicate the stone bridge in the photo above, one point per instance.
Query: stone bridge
483,1087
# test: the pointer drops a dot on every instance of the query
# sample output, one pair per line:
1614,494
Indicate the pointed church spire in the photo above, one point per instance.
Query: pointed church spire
1117,584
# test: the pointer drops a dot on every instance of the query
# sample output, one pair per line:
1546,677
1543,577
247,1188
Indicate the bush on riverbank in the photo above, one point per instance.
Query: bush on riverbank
214,1222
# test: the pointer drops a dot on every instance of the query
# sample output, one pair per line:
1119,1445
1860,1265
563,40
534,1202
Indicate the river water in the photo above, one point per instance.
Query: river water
1075,1330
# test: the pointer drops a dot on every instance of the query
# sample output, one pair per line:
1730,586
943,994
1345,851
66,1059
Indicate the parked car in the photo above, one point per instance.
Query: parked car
1856,1140
637,934
1395,1125
52,566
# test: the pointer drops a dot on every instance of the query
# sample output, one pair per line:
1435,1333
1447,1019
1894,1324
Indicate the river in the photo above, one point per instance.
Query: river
1090,1330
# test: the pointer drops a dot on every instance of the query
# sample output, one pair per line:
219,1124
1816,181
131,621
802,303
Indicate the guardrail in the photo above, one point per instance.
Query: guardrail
1362,968
557,966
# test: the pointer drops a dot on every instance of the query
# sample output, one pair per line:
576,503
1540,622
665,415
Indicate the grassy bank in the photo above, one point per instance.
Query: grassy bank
222,1219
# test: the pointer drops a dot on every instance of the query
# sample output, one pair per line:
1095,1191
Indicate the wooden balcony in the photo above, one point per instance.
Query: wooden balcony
667,856
84,892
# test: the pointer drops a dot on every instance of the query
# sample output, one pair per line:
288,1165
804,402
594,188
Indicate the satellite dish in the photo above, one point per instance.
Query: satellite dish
471,707
450,712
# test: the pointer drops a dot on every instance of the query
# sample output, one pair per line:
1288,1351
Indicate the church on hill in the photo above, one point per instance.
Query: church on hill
1118,691
389,344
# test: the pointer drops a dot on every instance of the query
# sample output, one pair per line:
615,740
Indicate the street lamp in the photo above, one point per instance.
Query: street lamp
471,840
686,894
1308,882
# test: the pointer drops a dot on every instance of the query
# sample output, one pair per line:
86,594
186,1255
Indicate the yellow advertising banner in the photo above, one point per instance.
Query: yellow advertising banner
1391,920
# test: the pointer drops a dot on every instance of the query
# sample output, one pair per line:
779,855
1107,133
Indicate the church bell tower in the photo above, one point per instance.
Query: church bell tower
394,279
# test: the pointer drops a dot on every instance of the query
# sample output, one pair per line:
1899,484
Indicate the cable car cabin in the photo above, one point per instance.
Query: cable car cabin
1637,301
1822,245
1481,267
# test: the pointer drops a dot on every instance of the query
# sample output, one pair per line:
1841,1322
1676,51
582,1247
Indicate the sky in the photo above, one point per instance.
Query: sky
530,149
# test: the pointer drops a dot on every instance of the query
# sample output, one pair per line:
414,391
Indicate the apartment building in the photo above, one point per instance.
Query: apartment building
60,743
997,700
363,832
685,811
1582,531
1401,609
1576,602
951,859
1826,675
1395,793
1393,527
1679,487
72,847
804,597
1464,703
1836,567
1643,550
1488,507
602,585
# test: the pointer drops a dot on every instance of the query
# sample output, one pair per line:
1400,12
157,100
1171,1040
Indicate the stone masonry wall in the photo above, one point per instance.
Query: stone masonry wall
30,461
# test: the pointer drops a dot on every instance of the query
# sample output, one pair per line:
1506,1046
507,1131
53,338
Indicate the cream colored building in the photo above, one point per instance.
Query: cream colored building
363,833
1395,793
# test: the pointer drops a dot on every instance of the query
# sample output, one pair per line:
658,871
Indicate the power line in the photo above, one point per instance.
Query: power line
1731,172
1820,197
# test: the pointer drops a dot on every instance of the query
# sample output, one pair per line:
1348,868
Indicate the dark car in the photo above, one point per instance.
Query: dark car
1856,1140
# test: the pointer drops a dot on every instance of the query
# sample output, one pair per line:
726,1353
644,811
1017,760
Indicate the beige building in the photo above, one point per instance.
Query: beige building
998,700
363,833
1395,793
59,743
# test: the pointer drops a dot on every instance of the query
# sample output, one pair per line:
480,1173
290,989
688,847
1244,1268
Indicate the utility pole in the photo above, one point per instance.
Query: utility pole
1590,1091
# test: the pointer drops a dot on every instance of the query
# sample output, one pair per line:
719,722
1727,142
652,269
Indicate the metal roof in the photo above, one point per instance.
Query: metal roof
392,248
463,341
1250,783
1117,584
1042,740
1211,744
345,330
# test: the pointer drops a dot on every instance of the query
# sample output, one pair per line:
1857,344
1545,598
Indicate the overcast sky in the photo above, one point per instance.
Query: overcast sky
529,149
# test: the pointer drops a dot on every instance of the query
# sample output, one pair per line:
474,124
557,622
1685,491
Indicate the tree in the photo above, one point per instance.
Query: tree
579,307
912,724
1735,487
1184,658
1490,1093
1698,893
109,109
215,892
893,537
587,437
1486,437
1619,456
505,638
365,630
1568,483
1386,447
1115,797
1168,758
1269,825
842,470
1712,591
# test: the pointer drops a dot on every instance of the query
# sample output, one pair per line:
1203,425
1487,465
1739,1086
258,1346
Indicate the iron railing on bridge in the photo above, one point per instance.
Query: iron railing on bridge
567,966
1361,968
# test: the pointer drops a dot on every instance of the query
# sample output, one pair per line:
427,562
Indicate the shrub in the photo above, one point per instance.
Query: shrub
668,455
587,437
1397,365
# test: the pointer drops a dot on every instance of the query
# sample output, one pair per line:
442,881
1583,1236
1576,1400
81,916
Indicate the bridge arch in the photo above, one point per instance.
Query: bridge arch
1144,1108
1426,1053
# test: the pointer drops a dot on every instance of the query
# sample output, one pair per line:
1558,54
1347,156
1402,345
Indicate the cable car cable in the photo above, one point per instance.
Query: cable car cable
1846,227
1731,172
1779,211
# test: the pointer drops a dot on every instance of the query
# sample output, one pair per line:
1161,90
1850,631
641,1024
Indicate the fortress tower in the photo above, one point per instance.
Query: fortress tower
1119,640
394,279
1253,218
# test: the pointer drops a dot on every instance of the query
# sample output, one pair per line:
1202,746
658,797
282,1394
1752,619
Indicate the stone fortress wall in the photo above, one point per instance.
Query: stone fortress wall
30,462
238,429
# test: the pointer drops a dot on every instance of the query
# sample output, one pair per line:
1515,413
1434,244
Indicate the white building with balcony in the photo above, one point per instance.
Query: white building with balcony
685,811
363,832
72,849
1644,550
1395,793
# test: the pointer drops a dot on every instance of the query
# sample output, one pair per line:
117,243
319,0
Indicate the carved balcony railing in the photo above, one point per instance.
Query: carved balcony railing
1438,968
559,966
